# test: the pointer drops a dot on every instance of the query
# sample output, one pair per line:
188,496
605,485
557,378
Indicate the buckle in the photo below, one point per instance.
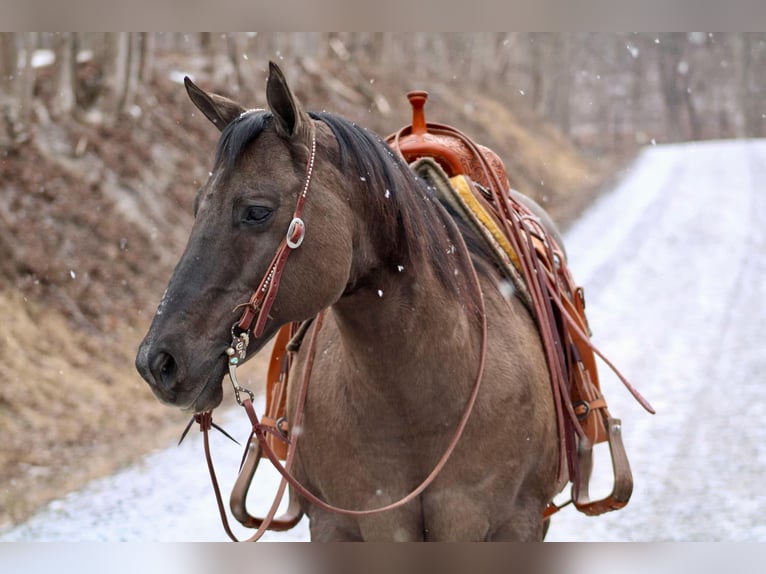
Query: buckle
581,405
295,233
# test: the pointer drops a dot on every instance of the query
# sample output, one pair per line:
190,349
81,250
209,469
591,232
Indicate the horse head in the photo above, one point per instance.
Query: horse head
242,215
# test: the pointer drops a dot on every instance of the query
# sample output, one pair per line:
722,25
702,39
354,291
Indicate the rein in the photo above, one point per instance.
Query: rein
257,309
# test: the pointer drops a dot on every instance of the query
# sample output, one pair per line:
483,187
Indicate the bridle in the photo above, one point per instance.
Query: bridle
259,305
254,316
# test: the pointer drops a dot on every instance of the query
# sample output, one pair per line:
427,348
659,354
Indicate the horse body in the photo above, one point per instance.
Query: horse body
399,348
386,396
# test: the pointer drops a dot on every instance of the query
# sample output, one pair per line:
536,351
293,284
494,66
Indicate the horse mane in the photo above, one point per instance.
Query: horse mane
412,227
412,223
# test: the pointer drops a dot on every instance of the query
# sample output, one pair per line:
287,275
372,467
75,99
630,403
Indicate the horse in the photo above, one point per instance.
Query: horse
413,308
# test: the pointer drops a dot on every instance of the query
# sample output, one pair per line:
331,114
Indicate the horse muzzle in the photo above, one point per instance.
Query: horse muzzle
173,380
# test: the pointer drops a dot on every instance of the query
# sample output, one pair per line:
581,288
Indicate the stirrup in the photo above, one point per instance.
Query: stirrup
623,478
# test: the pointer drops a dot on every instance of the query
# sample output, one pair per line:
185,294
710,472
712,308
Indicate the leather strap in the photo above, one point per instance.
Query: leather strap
277,379
259,305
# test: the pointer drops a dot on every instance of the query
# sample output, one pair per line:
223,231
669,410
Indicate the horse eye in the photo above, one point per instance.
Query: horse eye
256,214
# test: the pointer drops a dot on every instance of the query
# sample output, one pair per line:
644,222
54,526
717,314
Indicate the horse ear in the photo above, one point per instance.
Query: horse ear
283,103
218,109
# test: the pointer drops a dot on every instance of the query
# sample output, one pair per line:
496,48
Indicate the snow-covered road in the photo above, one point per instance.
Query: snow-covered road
673,265
674,268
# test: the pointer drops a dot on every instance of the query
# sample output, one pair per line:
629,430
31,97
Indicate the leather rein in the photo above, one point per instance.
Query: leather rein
253,320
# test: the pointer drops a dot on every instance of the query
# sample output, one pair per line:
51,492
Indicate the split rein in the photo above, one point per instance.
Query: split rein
256,311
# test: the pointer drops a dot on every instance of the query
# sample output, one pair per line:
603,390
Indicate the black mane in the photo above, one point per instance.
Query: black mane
417,228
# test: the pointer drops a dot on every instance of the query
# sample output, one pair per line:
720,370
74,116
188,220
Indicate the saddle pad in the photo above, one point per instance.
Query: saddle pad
456,192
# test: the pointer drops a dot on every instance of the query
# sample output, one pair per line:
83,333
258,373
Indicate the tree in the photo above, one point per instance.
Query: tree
65,49
675,86
16,82
9,56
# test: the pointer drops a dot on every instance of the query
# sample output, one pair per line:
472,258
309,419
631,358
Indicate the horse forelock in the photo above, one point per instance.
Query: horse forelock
238,134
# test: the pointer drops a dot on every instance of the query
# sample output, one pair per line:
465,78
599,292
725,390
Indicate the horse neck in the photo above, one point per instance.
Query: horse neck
403,320
404,327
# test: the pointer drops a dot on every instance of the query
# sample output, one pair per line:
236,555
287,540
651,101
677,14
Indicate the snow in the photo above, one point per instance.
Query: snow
41,59
674,274
177,76
165,498
675,280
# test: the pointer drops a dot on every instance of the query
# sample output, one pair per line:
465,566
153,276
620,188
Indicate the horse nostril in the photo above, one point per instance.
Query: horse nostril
164,369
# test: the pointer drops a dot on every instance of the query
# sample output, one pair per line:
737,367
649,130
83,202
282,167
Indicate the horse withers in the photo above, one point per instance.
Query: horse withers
405,305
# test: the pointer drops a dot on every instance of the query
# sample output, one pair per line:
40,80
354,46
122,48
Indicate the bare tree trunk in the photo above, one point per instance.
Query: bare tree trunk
537,72
147,46
668,59
8,78
205,41
235,50
695,128
132,66
121,64
756,126
64,99
207,47
637,80
373,47
9,56
217,64
115,65
509,46
750,119
26,78
16,85
561,82
390,50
